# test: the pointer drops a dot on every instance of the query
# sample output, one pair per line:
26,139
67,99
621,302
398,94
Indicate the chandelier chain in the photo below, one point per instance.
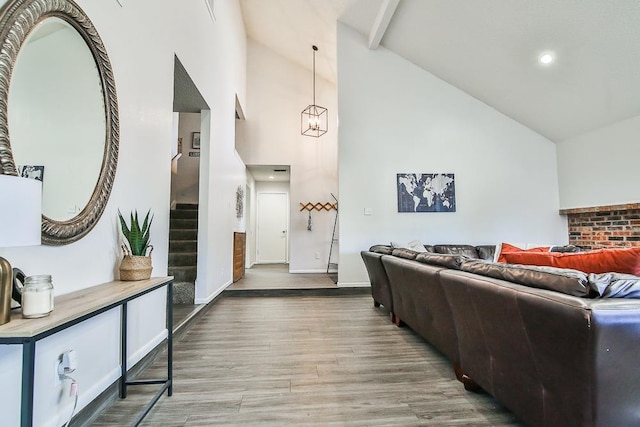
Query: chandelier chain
315,49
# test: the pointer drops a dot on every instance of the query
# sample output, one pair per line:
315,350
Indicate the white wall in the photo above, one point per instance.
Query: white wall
600,168
394,118
250,220
277,92
185,183
142,38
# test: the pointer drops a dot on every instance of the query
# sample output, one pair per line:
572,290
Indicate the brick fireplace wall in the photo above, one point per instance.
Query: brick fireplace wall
604,226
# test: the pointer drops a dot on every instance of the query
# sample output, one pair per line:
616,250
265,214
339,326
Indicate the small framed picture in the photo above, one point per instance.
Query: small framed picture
195,140
33,172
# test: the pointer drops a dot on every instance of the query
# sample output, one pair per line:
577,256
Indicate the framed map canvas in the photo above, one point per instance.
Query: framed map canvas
426,192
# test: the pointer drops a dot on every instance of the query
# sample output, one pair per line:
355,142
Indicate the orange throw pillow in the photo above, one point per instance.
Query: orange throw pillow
507,248
625,260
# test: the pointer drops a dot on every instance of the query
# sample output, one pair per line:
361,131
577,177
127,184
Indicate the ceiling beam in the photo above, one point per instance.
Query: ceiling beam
380,25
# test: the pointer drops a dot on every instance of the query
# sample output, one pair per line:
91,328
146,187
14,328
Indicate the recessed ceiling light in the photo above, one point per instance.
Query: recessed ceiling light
546,58
270,176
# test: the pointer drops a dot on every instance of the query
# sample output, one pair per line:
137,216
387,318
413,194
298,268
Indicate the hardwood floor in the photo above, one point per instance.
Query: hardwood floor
181,312
307,360
276,276
265,279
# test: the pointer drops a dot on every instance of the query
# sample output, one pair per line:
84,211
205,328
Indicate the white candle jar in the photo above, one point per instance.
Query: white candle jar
37,296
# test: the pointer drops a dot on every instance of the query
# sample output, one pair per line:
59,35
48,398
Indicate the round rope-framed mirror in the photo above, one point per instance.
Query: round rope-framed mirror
19,21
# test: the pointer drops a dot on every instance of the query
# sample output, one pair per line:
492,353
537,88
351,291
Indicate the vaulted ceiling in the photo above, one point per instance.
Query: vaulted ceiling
488,48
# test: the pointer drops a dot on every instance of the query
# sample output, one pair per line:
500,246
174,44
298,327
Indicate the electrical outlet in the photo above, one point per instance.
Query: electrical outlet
58,381
66,363
317,255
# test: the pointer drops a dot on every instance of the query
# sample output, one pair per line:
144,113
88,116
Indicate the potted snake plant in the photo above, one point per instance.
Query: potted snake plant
136,263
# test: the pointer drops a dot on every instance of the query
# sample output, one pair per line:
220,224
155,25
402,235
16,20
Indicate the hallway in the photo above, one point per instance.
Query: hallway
307,360
269,280
277,276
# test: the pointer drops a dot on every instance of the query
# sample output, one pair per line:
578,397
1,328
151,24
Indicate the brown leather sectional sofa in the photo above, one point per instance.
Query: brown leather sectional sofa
543,341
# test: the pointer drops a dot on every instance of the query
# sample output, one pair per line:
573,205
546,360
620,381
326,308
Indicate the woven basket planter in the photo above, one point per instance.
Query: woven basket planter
135,267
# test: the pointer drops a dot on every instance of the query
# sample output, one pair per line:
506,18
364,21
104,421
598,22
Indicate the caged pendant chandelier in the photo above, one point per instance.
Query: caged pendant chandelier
314,120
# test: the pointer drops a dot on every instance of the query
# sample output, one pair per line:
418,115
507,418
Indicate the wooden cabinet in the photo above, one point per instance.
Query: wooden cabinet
239,251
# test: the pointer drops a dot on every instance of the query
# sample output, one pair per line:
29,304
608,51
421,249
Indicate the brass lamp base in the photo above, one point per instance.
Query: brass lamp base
6,287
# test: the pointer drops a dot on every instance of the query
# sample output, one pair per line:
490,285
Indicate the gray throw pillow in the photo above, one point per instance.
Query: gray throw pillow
404,253
570,282
381,249
452,261
615,285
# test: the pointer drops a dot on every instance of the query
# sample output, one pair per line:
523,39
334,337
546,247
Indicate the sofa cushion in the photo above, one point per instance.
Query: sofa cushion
506,248
615,285
466,250
625,260
486,252
381,249
452,261
405,253
414,245
565,248
570,282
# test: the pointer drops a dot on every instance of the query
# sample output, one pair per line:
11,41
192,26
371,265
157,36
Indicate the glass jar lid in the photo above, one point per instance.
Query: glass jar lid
37,283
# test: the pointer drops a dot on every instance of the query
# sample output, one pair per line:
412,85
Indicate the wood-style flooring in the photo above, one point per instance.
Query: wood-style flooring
181,313
307,361
261,278
276,276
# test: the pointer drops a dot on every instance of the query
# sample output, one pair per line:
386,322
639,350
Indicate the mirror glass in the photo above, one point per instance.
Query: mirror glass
56,117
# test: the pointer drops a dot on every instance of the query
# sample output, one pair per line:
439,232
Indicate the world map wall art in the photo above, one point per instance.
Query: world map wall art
426,192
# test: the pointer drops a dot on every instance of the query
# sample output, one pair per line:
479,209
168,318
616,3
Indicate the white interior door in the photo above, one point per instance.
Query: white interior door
272,227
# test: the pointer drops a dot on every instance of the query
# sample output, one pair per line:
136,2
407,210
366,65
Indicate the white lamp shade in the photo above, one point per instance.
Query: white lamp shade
20,211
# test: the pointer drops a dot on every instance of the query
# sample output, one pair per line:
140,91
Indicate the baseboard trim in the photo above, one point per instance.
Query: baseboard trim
354,284
309,271
211,297
308,292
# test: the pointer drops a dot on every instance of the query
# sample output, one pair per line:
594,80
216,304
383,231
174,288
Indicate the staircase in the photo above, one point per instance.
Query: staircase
183,251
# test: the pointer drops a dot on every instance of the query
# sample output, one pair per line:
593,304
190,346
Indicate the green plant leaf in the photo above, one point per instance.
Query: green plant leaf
138,238
125,230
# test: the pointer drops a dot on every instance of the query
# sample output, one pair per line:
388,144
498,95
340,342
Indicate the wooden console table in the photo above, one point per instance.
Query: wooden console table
76,307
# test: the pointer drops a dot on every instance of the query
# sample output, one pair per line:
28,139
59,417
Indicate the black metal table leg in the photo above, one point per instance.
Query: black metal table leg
170,338
28,368
123,352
